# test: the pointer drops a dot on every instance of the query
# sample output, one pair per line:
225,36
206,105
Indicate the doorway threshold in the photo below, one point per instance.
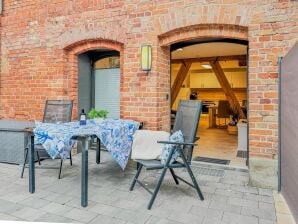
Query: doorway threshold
219,166
212,160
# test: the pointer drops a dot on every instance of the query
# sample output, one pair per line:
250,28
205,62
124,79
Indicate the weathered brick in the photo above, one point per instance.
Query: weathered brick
40,43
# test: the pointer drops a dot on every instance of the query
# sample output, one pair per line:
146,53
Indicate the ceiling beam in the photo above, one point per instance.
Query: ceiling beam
181,75
225,85
210,59
224,69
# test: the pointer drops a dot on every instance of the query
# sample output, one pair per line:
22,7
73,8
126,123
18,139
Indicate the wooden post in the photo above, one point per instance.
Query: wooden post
223,81
182,73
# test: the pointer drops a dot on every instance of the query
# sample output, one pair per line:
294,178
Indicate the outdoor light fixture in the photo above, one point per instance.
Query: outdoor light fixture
146,58
207,66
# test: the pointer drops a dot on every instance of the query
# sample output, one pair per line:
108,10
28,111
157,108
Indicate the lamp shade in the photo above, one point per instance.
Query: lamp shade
146,57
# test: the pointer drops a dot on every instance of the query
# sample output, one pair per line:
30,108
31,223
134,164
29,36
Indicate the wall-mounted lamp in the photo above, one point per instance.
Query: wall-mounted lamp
146,58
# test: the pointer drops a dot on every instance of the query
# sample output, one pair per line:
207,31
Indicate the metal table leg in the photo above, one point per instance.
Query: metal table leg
84,181
98,151
31,167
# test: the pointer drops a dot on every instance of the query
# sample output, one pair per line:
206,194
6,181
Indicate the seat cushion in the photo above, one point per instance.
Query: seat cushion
175,137
145,144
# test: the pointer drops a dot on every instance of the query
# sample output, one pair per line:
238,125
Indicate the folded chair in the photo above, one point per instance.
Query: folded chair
55,111
187,119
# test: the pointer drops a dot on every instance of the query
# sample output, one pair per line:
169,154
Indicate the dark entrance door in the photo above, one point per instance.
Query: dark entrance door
289,129
84,83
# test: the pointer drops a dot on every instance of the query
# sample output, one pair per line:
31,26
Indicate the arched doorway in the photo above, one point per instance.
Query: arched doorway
99,81
81,59
185,39
215,72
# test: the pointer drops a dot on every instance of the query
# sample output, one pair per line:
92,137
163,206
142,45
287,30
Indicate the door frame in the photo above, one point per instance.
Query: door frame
182,44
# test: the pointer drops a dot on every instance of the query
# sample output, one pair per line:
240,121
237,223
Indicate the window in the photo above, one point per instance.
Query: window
108,62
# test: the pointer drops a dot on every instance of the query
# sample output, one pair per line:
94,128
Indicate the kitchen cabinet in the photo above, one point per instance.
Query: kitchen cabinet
204,80
241,80
237,79
209,80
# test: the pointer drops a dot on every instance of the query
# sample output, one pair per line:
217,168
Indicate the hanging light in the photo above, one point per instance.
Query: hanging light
146,58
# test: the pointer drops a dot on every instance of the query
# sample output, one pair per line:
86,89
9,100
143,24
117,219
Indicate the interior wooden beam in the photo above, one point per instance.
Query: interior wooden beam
224,69
223,81
181,75
210,59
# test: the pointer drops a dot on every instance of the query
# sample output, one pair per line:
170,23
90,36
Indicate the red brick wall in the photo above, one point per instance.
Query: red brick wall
39,38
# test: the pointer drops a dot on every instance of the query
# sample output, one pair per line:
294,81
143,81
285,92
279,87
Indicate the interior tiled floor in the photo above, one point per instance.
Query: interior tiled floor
217,143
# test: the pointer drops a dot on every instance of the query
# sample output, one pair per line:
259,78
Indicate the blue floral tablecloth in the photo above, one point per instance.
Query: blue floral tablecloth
115,134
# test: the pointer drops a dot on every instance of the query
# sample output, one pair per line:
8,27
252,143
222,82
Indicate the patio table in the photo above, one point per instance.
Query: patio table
115,134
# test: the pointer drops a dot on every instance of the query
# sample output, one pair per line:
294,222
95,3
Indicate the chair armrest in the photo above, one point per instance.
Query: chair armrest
177,143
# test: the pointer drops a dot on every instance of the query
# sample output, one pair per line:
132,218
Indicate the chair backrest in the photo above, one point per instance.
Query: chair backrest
187,120
57,111
224,109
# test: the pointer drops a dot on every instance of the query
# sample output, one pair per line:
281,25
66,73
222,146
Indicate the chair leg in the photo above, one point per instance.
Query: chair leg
25,161
174,176
193,178
136,177
60,169
38,158
70,158
157,188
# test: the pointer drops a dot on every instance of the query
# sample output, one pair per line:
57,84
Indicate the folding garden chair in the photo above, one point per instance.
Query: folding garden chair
55,111
187,119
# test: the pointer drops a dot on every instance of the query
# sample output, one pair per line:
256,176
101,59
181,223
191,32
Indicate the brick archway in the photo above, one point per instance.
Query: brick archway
192,32
200,31
71,64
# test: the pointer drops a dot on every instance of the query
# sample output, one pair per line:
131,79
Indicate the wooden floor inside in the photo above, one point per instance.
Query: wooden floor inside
217,143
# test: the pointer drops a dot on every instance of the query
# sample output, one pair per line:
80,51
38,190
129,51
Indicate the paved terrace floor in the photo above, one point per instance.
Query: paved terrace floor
228,198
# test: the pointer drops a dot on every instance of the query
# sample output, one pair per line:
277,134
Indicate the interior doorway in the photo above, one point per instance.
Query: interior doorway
99,81
215,72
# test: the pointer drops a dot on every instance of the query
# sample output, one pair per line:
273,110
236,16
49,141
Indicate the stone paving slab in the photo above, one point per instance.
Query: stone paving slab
228,199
